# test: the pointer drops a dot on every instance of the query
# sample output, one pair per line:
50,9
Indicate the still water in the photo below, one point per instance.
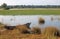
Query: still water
23,19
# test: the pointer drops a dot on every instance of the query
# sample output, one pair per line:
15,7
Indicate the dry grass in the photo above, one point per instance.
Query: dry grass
22,28
50,32
16,33
36,30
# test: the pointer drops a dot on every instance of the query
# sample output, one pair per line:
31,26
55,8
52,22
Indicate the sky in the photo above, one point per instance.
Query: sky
30,2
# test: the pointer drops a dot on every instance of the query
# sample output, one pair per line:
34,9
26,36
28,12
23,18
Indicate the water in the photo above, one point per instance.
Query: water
23,19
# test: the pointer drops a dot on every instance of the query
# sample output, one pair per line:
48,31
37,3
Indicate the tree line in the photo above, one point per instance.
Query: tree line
5,6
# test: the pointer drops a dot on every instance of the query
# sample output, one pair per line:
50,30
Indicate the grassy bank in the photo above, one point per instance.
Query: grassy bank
31,12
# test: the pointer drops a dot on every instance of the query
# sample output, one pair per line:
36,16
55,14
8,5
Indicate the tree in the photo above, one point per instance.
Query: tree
4,6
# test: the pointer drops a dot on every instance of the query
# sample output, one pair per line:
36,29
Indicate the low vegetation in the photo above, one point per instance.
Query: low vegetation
31,12
22,32
36,30
41,21
51,32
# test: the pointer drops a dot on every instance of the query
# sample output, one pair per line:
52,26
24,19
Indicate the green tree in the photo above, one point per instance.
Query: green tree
4,6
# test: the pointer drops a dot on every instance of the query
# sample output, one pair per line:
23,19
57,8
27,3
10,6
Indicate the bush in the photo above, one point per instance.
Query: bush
7,8
41,21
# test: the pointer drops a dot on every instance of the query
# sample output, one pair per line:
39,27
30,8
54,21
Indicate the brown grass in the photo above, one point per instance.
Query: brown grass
22,28
36,30
50,31
16,33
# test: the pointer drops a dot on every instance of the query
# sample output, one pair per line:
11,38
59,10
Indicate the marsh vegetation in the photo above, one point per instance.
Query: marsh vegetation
29,27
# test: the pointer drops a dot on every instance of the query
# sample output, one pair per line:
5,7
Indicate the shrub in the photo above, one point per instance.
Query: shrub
41,21
7,8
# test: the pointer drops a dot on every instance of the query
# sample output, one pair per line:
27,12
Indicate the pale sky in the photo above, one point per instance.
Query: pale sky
30,2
